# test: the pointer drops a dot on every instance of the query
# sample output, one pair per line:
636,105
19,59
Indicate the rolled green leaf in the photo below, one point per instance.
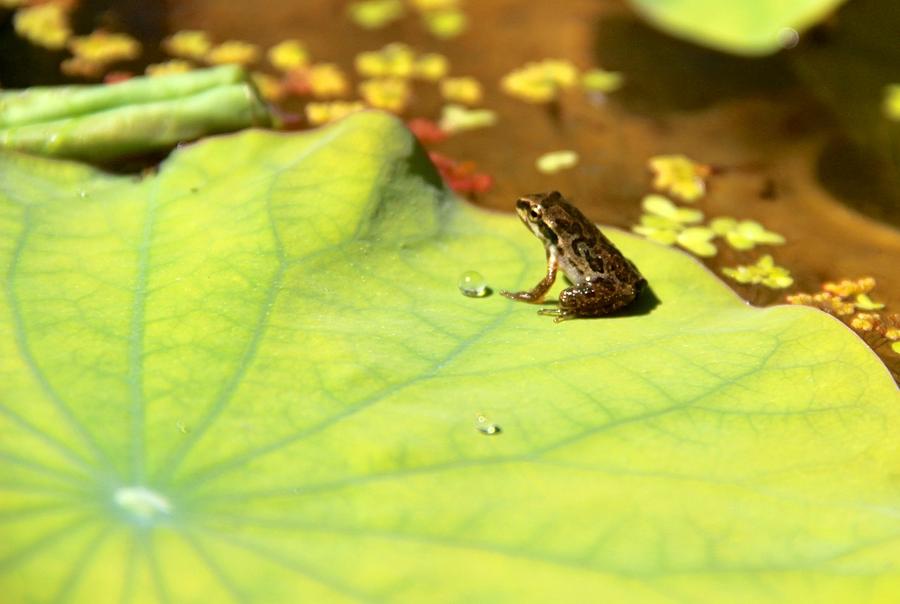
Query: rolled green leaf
45,103
102,122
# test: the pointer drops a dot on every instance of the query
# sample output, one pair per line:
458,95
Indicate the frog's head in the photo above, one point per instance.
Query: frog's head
540,211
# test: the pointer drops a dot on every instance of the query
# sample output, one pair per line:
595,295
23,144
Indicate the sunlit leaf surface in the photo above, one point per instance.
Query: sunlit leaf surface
252,377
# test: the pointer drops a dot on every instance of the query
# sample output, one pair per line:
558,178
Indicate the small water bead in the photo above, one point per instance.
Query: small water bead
788,37
142,504
484,425
472,284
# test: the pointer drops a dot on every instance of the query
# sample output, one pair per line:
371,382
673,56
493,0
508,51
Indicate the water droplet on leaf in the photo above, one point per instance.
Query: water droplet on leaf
472,284
142,504
484,425
788,37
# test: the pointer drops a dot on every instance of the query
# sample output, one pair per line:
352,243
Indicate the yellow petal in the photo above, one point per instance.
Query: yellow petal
555,161
268,86
323,113
168,67
892,102
327,80
600,80
390,94
288,55
456,118
45,25
432,67
698,241
103,47
233,51
679,175
188,44
78,67
445,24
375,14
465,90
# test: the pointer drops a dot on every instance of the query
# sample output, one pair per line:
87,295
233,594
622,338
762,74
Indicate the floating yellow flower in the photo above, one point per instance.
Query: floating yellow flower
445,24
188,44
679,176
892,331
864,321
395,60
601,81
698,241
842,297
764,272
540,82
431,67
657,229
168,68
288,55
269,87
555,161
892,102
887,326
370,64
79,67
864,302
664,208
323,113
233,51
327,80
103,48
375,14
833,304
44,25
456,118
850,296
666,223
465,90
850,287
431,5
802,298
390,94
744,234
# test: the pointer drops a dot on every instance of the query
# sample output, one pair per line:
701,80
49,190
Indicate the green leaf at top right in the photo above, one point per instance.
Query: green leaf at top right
742,27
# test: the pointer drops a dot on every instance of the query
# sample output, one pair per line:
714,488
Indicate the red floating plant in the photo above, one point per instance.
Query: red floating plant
462,177
114,77
427,131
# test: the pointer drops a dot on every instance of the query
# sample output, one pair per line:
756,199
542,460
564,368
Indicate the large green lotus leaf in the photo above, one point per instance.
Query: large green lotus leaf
745,27
251,377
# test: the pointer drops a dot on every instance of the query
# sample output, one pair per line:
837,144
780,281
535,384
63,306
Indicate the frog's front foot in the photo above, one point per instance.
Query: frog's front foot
559,314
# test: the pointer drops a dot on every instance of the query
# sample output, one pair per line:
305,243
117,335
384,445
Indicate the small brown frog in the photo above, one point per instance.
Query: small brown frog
603,280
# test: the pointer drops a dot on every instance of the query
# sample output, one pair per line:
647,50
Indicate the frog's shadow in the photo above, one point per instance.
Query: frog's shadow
644,304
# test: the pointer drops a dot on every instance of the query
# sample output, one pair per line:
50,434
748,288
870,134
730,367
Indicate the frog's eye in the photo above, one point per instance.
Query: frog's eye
534,214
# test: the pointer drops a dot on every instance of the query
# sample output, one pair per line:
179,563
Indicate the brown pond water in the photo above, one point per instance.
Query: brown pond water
798,136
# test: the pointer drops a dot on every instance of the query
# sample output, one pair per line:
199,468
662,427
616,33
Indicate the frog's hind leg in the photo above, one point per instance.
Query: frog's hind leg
536,294
594,299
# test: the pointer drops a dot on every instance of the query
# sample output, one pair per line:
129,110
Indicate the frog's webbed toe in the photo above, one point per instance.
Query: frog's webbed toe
531,297
559,314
